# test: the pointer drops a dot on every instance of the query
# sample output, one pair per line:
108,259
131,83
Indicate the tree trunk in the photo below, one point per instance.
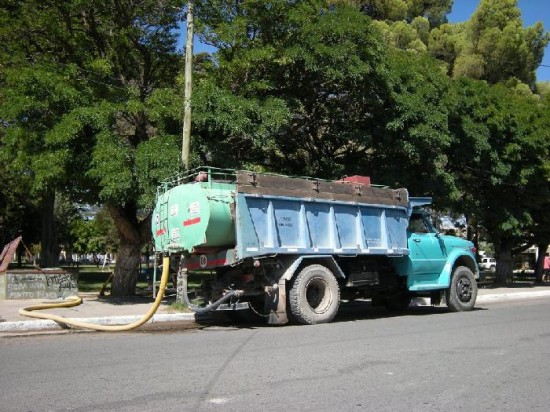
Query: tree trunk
543,247
132,234
472,234
49,254
126,269
505,265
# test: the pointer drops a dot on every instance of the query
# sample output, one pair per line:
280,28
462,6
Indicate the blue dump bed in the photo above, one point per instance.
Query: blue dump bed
273,214
269,224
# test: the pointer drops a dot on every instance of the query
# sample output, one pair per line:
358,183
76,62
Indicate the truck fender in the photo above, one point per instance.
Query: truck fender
457,258
327,260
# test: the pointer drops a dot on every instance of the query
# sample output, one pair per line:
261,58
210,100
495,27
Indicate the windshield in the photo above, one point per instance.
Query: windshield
420,223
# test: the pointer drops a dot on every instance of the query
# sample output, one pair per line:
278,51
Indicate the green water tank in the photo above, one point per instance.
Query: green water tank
194,215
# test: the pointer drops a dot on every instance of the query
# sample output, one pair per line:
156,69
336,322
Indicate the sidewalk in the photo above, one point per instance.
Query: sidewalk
111,311
94,309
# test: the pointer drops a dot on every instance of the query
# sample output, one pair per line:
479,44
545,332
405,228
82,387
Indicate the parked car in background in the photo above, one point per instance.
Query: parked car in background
488,263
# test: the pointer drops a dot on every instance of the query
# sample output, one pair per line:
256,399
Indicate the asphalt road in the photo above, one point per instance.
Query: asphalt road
492,359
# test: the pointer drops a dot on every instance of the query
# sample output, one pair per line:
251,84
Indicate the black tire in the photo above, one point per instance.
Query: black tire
461,295
314,296
397,302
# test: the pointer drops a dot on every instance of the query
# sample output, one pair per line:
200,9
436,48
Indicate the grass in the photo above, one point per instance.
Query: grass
91,279
179,307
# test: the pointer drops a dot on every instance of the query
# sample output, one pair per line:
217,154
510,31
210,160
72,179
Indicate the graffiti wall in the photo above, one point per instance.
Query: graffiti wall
40,284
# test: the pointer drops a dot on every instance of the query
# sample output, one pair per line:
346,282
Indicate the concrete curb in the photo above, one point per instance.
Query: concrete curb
39,324
499,297
42,324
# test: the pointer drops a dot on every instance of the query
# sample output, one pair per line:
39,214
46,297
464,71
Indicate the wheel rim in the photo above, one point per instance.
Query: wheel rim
318,295
464,289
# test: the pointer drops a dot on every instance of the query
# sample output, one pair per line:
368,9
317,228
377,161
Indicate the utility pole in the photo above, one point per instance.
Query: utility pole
186,138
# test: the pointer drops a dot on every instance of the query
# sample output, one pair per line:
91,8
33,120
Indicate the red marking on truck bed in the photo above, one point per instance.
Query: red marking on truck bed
190,222
362,180
160,232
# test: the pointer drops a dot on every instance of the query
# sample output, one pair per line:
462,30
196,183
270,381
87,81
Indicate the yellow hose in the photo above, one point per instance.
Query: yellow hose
77,300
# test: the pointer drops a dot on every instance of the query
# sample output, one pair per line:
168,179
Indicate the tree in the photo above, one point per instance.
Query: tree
499,150
32,101
498,47
539,190
80,98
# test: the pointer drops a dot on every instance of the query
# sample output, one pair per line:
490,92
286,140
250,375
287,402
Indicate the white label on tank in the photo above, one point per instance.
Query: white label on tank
194,208
175,234
174,209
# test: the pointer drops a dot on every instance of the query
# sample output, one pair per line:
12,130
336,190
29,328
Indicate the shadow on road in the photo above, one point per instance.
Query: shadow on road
348,311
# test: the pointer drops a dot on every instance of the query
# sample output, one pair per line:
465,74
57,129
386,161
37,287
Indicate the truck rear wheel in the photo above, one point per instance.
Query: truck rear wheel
461,295
314,296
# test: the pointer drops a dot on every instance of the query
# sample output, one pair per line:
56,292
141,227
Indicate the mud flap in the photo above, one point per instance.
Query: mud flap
435,298
275,304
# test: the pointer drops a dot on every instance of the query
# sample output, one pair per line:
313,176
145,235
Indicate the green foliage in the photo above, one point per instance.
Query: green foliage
412,151
500,147
434,11
33,100
19,213
405,24
82,101
306,76
543,89
446,42
155,160
95,235
234,130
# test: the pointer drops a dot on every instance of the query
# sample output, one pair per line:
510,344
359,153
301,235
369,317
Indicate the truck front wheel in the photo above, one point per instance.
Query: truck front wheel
461,295
314,296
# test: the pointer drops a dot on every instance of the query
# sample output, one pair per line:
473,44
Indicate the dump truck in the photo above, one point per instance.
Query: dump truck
293,248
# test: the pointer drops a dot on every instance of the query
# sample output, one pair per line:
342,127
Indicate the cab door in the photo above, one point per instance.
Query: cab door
427,251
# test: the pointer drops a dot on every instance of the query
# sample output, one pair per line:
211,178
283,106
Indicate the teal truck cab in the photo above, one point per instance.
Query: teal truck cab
286,248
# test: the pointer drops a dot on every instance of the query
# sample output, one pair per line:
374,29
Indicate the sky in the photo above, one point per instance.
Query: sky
531,11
